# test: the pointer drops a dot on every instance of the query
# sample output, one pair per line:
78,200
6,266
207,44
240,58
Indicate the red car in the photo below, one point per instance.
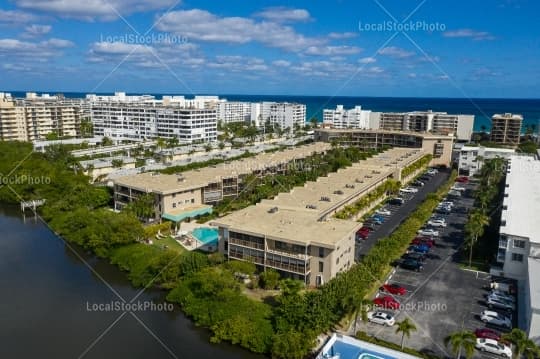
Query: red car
386,302
427,242
363,235
365,229
487,334
462,179
393,289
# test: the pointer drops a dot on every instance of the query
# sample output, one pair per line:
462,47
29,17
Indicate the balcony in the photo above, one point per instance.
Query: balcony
503,243
296,255
248,244
241,256
300,269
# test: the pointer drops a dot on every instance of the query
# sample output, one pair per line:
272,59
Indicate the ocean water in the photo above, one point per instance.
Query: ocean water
482,108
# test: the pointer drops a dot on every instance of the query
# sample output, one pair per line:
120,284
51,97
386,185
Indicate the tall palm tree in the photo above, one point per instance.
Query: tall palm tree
459,341
474,228
405,327
521,343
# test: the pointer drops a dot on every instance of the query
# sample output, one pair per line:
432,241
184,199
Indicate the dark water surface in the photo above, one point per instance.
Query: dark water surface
46,293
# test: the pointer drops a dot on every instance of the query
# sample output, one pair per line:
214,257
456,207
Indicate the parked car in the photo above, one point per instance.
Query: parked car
428,232
458,188
383,211
412,265
418,248
382,318
376,221
386,302
436,223
425,178
494,318
378,217
487,333
420,257
417,184
398,201
503,287
447,203
494,347
393,289
498,294
443,210
453,193
409,190
497,303
462,179
421,241
432,171
362,235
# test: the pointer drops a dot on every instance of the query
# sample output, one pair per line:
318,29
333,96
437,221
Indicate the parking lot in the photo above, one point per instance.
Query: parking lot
442,298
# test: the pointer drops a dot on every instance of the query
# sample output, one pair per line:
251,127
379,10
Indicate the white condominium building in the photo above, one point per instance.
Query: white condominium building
428,121
519,242
471,158
35,117
354,118
234,111
286,115
122,117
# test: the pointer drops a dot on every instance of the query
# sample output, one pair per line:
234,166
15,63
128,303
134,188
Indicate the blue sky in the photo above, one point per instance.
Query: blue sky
473,48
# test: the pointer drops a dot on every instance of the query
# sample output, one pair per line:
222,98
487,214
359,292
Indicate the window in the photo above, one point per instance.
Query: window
517,257
321,252
174,205
321,267
337,261
193,200
518,243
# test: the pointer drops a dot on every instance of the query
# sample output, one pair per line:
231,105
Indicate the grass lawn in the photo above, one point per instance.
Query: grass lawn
171,244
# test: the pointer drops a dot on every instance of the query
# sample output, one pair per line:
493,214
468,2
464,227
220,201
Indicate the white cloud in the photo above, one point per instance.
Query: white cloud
469,33
395,52
15,17
93,9
202,25
36,30
332,50
281,63
341,35
238,63
367,60
36,50
284,14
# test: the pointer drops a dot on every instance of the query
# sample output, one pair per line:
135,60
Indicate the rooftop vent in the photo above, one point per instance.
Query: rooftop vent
359,181
325,199
338,192
273,210
349,186
311,206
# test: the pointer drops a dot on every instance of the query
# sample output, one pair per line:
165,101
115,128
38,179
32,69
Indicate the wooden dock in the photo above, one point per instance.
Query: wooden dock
31,204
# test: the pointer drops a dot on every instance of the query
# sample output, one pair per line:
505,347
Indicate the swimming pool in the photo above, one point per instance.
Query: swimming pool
208,236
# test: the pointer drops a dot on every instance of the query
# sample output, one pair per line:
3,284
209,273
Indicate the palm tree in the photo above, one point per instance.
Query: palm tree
405,327
474,228
462,340
521,343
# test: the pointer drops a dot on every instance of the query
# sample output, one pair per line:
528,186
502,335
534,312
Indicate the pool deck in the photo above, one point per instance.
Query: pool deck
344,347
186,239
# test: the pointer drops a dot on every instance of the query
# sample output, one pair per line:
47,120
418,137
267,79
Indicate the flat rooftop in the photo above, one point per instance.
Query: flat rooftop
165,183
295,216
523,201
426,135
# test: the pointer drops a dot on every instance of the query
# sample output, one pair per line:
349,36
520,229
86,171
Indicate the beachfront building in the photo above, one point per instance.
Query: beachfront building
285,115
192,193
440,146
343,118
35,117
471,158
234,111
506,129
137,118
519,243
296,232
461,126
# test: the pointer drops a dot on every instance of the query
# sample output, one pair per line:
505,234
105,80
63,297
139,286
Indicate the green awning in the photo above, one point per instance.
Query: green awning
180,216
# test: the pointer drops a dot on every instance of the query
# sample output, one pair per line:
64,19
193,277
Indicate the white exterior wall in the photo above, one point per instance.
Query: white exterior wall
468,157
284,114
234,112
353,118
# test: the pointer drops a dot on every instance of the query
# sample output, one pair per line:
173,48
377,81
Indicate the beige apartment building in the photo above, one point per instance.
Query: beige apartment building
297,234
506,129
35,117
440,146
192,193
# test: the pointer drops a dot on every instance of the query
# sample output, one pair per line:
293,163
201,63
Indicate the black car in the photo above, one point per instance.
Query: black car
419,257
396,201
417,184
412,265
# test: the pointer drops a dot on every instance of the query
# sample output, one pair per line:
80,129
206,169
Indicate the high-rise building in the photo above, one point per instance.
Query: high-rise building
287,116
234,111
342,118
506,129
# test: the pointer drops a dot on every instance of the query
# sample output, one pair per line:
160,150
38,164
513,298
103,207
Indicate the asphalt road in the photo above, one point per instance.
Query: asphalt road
400,213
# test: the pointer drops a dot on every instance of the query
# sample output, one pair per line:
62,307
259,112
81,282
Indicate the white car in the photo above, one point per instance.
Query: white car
436,223
459,189
447,203
428,232
432,171
409,190
494,347
382,318
494,318
383,211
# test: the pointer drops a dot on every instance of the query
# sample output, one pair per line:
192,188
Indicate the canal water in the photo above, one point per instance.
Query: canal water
54,306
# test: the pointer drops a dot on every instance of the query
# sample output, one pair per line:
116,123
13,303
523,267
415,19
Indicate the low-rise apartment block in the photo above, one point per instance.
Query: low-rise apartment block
440,146
296,232
343,118
193,193
506,129
471,158
519,242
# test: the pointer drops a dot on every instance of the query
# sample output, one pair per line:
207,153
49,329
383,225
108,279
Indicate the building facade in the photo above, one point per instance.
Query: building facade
288,116
343,118
519,243
234,111
506,129
471,158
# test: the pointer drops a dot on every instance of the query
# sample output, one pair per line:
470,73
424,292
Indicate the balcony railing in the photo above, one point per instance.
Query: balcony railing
503,243
280,252
241,256
301,269
245,243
